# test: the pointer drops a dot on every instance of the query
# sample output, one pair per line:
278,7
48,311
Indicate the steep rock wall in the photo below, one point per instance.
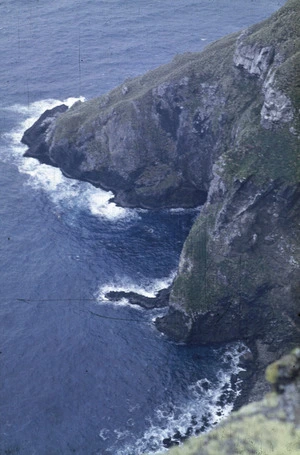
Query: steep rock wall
220,126
239,270
153,140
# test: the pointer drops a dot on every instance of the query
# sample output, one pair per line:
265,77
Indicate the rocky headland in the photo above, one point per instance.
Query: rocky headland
220,128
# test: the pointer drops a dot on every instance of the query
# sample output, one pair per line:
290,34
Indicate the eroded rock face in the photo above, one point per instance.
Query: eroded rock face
239,270
154,140
277,107
238,266
254,59
36,137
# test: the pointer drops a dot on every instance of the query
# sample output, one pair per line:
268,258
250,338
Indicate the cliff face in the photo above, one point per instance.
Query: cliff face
221,127
270,426
239,270
154,140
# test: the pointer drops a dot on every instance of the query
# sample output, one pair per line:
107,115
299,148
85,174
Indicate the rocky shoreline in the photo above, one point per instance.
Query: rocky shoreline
252,375
267,426
221,129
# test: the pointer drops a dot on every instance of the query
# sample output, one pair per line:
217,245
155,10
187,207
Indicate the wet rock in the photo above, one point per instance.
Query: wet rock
36,137
189,431
177,435
194,420
159,301
168,442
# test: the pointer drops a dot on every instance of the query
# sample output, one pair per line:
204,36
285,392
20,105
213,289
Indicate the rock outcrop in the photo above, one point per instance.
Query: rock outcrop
220,127
270,426
239,270
36,137
160,300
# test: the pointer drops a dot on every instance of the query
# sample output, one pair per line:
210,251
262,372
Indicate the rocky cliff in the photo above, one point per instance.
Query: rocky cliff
220,127
239,270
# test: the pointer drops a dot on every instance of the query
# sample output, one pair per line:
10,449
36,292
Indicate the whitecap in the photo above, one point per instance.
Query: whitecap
35,109
199,414
64,192
125,284
104,434
184,211
100,205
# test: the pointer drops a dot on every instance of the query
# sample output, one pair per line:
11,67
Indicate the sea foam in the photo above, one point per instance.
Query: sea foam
207,404
126,284
64,193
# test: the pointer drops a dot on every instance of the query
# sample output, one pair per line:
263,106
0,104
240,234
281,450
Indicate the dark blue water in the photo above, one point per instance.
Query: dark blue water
80,374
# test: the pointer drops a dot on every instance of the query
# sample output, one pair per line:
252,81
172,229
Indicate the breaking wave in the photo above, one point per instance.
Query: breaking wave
206,405
64,192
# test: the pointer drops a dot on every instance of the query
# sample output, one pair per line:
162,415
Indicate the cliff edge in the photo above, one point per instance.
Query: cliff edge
153,140
219,128
239,270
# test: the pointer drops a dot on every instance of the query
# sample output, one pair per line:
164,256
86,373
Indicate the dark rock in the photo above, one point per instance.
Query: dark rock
169,442
267,426
177,435
194,421
219,128
36,136
175,325
159,301
189,431
205,385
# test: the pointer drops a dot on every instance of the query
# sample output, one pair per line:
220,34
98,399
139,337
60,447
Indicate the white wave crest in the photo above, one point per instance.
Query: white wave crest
125,284
207,406
64,192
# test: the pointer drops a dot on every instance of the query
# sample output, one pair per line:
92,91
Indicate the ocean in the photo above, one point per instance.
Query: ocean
79,373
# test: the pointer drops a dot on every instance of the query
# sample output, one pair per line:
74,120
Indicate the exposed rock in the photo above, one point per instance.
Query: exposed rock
270,426
277,107
154,140
221,127
239,270
160,300
254,59
36,137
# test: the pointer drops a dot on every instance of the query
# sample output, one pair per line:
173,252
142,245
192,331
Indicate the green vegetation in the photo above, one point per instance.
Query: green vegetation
252,435
221,260
198,67
264,154
280,30
224,120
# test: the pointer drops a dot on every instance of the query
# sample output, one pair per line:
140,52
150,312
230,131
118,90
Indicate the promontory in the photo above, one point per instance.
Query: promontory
221,129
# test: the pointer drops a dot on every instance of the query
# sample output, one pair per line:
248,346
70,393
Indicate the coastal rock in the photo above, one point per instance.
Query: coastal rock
219,128
254,59
269,426
154,140
36,137
277,107
239,270
160,300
